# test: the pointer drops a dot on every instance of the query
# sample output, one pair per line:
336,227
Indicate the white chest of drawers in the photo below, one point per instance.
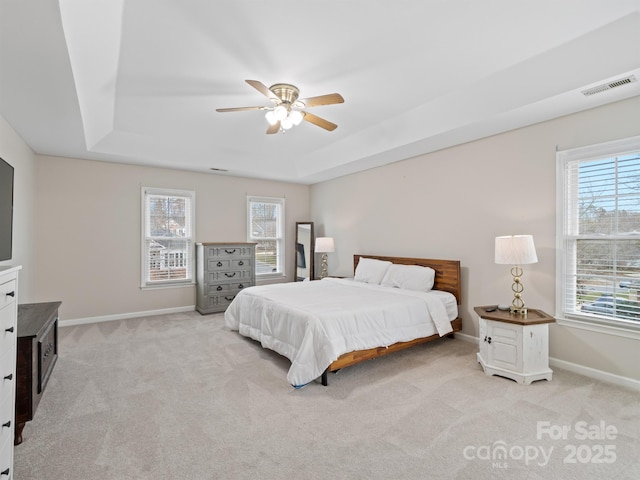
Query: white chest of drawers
8,336
223,269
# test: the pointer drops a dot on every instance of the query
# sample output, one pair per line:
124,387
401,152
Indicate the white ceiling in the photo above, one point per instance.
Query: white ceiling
138,81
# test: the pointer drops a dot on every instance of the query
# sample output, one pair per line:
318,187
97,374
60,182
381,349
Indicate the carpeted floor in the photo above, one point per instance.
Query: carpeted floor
181,397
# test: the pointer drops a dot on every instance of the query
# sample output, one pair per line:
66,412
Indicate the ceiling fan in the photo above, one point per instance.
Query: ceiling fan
287,110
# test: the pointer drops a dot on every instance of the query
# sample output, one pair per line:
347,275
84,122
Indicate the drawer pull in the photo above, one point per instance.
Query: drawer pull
48,350
241,263
229,275
10,329
241,286
219,288
5,472
230,252
9,377
8,424
228,299
11,294
219,264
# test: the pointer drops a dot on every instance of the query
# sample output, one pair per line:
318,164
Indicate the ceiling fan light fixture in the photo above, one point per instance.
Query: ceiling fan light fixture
295,116
280,112
286,124
271,117
287,110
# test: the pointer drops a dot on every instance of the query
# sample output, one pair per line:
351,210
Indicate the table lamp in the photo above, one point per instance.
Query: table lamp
324,245
516,250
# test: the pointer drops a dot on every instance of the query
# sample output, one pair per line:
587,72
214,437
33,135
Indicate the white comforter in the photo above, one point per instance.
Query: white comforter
313,323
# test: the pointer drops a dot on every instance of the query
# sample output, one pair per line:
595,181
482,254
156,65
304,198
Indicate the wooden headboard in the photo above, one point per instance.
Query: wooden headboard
447,271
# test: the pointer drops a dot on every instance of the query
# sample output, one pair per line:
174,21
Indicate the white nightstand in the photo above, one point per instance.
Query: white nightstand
515,346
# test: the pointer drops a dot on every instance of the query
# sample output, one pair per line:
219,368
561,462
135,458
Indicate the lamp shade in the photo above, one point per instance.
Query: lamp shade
324,245
515,250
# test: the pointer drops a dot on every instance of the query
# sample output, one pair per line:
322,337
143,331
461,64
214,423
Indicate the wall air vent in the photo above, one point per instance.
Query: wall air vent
609,85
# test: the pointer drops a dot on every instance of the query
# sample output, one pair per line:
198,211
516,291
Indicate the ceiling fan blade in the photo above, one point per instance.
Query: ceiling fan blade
275,128
328,99
262,88
321,122
240,109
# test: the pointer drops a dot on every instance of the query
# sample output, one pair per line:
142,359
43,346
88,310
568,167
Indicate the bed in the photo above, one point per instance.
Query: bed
326,325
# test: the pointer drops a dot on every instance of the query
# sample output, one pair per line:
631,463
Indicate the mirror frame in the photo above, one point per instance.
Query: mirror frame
309,254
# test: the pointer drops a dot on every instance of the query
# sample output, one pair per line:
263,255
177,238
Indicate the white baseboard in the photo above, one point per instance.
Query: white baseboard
123,316
467,338
596,374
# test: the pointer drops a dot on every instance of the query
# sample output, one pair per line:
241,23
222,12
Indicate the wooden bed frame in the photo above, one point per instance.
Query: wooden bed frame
447,278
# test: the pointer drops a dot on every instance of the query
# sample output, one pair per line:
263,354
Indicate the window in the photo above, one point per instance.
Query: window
167,237
266,228
598,271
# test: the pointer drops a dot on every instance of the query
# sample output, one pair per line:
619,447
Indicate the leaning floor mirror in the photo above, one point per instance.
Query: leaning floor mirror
304,251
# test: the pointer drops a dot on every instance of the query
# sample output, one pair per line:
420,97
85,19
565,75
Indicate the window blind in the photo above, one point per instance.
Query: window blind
601,238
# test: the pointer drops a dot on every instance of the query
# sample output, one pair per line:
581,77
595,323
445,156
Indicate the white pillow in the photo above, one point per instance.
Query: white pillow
370,270
409,277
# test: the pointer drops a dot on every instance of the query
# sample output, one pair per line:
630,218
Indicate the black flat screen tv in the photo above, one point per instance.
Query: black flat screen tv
6,210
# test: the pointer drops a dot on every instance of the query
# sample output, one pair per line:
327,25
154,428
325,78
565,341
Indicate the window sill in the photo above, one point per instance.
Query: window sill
167,285
626,331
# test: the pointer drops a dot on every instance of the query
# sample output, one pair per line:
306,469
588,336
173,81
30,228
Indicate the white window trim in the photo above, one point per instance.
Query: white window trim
166,283
283,263
613,148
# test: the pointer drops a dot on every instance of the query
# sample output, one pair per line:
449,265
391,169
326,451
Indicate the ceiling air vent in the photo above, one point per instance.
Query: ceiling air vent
609,85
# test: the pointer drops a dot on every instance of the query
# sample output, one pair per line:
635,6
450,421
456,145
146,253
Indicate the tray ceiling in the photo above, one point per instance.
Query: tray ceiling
138,81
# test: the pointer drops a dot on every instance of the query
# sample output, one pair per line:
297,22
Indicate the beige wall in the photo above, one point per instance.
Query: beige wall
85,250
14,151
453,203
88,216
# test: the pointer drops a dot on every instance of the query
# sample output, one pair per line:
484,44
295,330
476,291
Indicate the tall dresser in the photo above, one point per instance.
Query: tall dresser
8,335
223,269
